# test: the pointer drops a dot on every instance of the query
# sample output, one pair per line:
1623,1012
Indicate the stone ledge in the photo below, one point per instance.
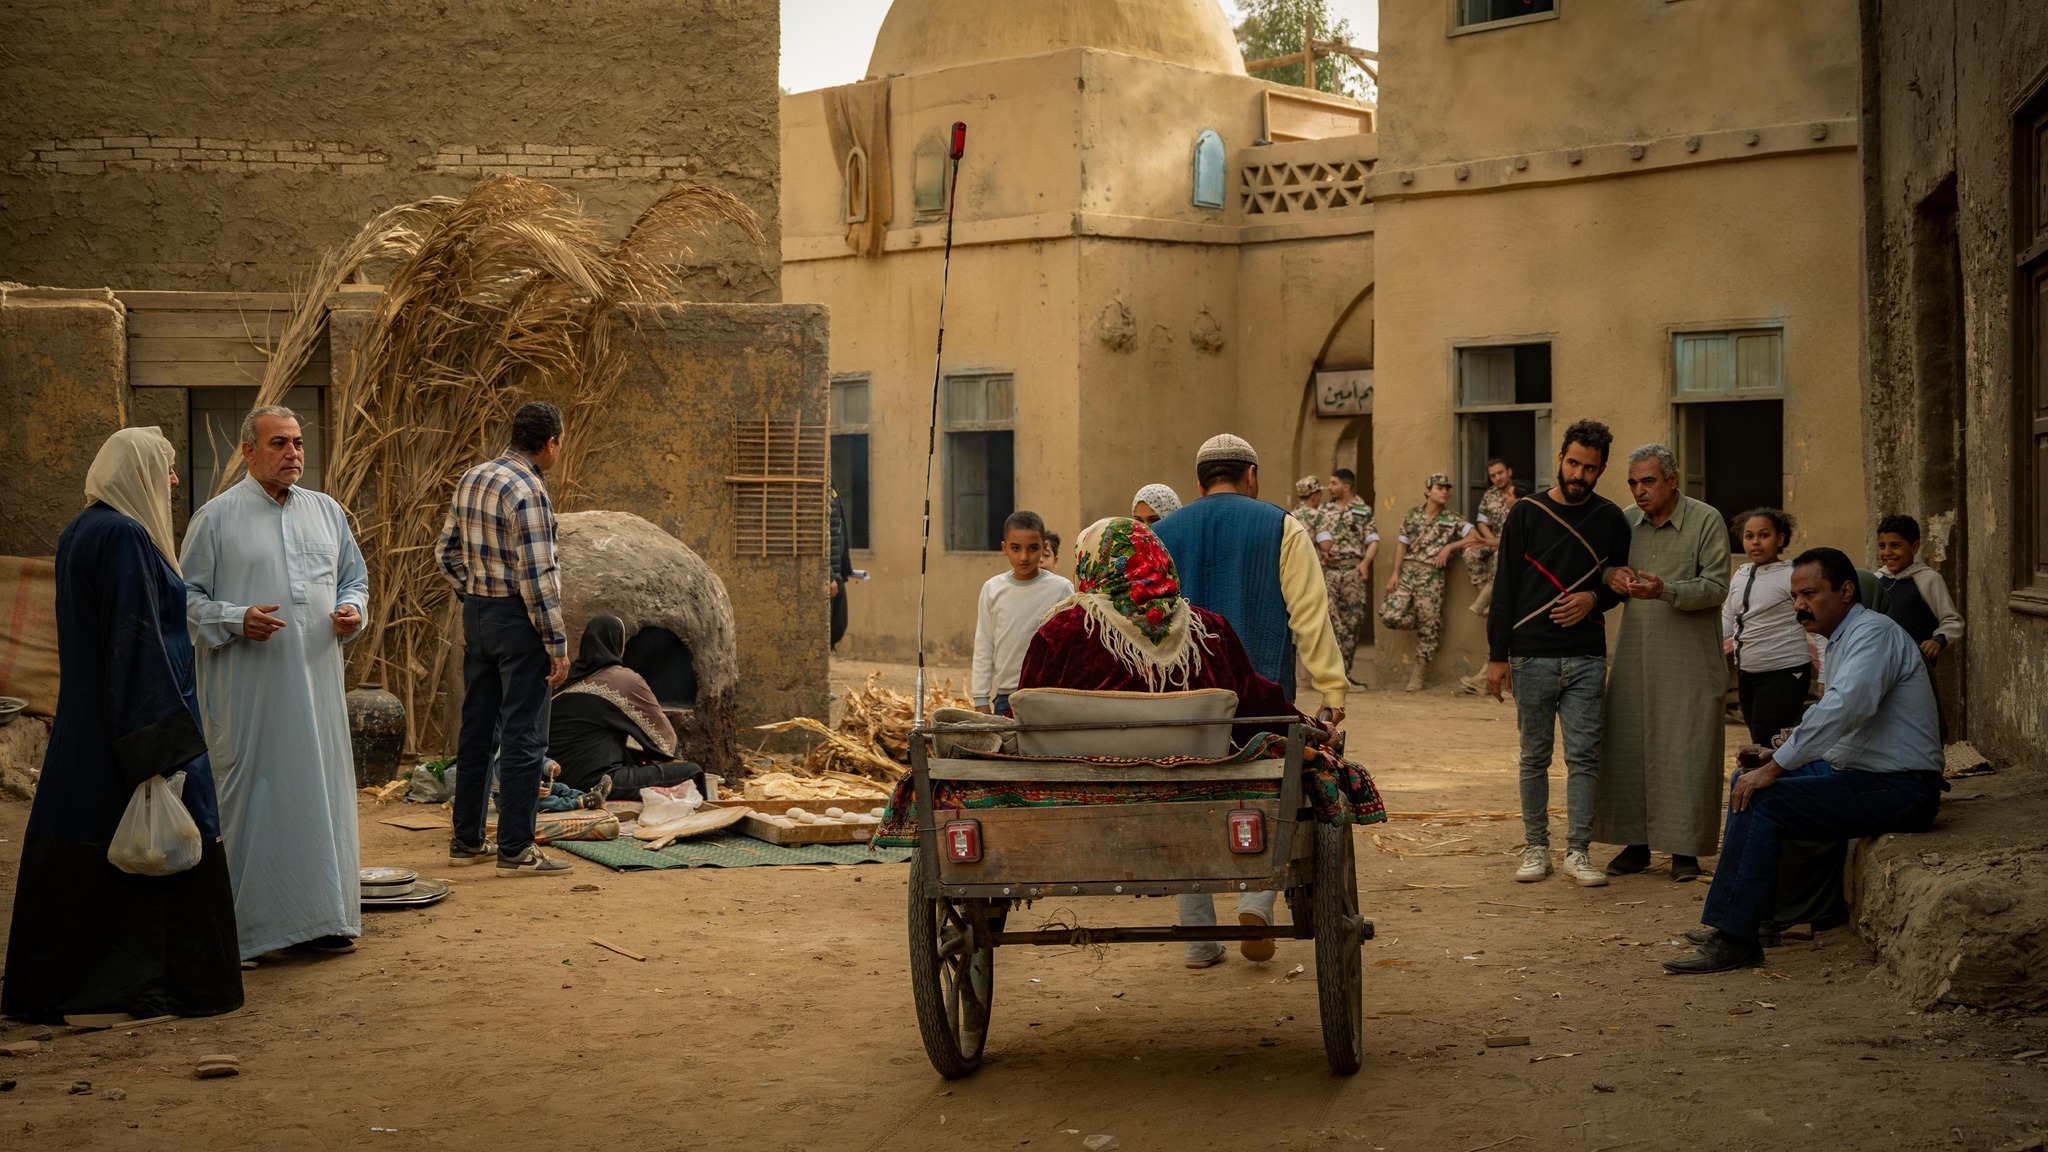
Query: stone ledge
1959,914
22,745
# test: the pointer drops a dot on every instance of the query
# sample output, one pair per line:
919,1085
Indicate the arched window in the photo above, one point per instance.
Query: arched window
856,185
1208,169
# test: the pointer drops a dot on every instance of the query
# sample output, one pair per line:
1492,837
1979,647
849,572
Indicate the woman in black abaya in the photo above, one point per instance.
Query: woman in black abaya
88,937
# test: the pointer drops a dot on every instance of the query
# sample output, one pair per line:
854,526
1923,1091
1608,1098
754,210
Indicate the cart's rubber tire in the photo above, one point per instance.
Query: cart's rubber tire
1340,989
953,993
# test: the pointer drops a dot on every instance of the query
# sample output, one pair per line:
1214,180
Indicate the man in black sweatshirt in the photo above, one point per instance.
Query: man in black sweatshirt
1548,642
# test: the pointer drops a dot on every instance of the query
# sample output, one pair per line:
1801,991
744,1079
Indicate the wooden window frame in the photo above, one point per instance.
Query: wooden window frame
1687,434
2029,375
1462,455
1457,29
948,426
865,429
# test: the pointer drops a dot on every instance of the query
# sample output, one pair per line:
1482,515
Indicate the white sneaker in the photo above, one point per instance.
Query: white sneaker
1579,868
1535,864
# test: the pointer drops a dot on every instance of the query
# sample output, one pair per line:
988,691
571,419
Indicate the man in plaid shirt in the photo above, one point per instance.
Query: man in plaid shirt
498,549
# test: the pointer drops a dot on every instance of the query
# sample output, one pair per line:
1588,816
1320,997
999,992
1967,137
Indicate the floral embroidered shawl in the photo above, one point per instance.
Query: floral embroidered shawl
1130,592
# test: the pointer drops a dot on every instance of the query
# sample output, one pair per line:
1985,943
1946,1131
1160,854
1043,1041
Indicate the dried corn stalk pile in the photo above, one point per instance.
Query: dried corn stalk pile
873,738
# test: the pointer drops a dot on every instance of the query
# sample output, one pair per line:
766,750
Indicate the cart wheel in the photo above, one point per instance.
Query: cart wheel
951,981
1340,989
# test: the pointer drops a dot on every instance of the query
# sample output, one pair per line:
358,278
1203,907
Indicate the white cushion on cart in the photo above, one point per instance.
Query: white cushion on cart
1068,706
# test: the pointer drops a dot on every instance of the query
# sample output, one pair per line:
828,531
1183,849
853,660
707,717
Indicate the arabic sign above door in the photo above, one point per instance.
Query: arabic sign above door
1344,393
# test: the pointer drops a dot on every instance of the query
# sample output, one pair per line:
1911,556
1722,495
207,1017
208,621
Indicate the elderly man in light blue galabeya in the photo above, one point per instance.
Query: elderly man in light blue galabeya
1865,760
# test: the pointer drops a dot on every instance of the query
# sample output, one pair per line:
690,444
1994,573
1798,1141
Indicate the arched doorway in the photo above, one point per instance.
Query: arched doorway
1334,428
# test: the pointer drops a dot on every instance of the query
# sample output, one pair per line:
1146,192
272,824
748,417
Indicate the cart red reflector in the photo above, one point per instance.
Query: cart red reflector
1247,830
963,841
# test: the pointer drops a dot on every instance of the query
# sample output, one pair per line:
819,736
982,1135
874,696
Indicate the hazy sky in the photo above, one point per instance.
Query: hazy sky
826,42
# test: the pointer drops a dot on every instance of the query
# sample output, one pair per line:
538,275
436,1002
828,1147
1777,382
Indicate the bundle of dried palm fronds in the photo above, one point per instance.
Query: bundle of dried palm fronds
506,295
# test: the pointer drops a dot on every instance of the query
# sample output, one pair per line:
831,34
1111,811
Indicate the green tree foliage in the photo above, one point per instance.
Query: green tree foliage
1274,28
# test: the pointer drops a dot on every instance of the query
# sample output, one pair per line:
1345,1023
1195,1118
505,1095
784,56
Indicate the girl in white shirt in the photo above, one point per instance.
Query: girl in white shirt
1774,665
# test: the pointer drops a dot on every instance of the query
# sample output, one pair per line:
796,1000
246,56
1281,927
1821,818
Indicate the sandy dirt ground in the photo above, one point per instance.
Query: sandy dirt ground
773,1012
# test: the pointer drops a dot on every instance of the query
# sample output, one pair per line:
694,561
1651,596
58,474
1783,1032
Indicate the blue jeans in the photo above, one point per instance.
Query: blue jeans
1552,691
504,703
1823,804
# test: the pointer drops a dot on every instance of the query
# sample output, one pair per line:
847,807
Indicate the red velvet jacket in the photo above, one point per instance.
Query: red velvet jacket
1065,654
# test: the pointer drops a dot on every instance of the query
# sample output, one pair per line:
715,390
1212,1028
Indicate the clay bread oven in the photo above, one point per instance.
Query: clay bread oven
679,623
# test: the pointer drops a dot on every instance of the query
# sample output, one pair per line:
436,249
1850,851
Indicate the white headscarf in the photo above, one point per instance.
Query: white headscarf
1157,497
132,475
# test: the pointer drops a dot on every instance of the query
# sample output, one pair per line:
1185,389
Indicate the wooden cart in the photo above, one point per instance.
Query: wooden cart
973,866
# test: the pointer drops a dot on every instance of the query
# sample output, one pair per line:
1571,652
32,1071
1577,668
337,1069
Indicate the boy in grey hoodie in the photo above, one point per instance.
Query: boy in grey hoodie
1920,602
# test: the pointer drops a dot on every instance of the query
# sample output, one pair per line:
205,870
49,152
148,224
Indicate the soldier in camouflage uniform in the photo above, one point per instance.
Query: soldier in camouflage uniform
1308,504
1480,559
1429,536
1353,541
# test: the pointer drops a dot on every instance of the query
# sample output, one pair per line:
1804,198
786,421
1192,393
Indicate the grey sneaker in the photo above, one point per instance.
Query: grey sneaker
1579,869
533,862
1535,864
462,855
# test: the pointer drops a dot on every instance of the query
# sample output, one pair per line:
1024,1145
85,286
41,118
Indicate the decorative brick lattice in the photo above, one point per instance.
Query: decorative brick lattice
558,162
1291,188
97,155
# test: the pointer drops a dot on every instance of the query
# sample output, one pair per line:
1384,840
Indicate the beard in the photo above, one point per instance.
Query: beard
1576,487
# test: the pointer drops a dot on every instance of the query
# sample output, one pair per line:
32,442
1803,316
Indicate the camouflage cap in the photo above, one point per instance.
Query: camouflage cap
1307,485
1436,478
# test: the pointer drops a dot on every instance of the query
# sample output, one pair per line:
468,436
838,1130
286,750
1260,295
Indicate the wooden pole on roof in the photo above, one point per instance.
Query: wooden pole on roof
1308,51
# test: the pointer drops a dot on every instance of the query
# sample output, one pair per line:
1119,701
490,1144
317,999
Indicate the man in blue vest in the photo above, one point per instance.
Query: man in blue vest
1254,565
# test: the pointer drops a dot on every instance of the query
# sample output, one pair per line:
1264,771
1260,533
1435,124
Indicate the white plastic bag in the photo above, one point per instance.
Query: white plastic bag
156,836
660,806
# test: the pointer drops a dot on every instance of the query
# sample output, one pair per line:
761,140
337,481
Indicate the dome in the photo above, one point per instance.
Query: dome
927,35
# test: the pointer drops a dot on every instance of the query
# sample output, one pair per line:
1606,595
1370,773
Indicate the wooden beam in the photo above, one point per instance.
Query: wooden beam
237,349
1364,56
210,301
261,327
215,374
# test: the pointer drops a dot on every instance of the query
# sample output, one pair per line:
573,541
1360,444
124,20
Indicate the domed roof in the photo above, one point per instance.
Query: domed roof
926,35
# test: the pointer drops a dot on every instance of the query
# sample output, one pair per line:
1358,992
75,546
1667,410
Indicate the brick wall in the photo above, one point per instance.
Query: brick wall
558,162
93,155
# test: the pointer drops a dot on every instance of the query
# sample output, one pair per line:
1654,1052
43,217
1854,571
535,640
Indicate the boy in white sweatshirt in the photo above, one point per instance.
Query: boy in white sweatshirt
1013,605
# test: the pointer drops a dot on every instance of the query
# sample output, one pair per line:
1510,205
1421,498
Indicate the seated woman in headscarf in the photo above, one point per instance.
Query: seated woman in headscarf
602,705
1127,629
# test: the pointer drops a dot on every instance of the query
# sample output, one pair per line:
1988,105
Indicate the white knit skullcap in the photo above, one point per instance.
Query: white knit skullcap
1224,446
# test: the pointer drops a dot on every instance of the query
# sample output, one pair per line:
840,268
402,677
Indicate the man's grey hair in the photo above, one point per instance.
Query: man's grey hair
1665,458
249,421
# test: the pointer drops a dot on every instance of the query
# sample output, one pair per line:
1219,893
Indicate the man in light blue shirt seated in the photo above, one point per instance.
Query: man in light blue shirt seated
1864,761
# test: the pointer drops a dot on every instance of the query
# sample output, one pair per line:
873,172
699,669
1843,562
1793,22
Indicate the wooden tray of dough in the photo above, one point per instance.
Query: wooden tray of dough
833,833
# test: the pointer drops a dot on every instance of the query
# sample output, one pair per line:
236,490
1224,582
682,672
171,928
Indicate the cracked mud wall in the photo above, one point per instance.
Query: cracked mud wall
223,144
1940,412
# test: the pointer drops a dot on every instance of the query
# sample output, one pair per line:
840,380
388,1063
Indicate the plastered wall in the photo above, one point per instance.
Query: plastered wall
1609,70
1603,270
63,386
690,371
223,144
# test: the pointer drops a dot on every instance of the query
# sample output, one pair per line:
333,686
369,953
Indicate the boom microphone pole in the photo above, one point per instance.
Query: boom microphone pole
931,444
